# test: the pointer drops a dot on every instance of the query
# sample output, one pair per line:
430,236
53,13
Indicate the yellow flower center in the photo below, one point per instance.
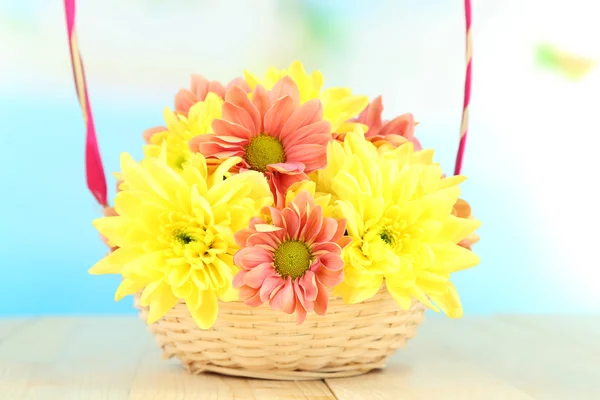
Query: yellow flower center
292,259
264,150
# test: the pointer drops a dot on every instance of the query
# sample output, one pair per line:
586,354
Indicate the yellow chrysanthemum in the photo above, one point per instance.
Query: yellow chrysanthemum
339,104
174,233
399,213
181,128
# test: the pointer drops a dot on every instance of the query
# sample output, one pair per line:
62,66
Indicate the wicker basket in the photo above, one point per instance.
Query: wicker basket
262,343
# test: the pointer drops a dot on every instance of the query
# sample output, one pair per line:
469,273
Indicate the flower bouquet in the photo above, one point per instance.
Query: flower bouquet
276,229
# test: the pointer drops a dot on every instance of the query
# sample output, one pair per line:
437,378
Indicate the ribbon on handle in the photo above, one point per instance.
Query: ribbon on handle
467,94
94,170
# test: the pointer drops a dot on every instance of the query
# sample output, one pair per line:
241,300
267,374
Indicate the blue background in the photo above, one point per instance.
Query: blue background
530,156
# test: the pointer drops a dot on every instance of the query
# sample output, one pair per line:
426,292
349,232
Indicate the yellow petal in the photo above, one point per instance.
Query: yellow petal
162,302
401,296
127,288
205,315
113,263
450,302
451,257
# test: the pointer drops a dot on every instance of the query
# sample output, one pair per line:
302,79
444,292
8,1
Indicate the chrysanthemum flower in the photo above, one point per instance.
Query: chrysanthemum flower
200,87
175,233
388,133
272,133
399,212
339,104
180,129
291,260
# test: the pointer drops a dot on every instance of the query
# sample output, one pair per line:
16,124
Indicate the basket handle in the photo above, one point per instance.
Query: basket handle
95,176
467,94
94,170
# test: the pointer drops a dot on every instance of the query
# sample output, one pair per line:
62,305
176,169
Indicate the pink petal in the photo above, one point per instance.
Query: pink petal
280,183
270,284
308,283
403,125
195,142
199,86
328,229
341,229
242,236
148,133
275,216
313,225
250,296
330,278
371,116
251,257
184,99
332,261
262,101
322,299
256,276
216,88
316,133
278,115
264,239
287,167
240,116
238,96
239,81
313,156
238,279
227,128
300,313
308,113
328,247
286,87
284,299
344,241
416,143
291,223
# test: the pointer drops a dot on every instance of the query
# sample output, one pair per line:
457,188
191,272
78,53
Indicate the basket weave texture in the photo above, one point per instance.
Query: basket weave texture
351,339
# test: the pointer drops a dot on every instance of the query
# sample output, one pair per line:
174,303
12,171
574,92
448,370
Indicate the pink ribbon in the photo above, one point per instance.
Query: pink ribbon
94,170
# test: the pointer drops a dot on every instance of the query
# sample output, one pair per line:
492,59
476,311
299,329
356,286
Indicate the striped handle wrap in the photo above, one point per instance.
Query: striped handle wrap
467,96
96,180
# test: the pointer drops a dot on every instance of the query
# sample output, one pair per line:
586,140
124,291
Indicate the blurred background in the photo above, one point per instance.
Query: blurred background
531,157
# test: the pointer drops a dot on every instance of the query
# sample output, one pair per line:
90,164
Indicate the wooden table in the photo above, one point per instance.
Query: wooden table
500,357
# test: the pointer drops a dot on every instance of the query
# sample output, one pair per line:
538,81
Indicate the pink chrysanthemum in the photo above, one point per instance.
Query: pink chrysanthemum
395,132
199,88
272,133
291,261
186,98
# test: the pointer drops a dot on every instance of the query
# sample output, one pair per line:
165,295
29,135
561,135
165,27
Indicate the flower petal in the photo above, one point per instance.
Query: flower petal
309,112
308,283
206,315
240,116
284,299
271,284
238,96
251,257
278,115
256,276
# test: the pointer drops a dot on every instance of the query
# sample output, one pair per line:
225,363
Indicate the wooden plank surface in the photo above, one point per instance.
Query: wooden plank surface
500,357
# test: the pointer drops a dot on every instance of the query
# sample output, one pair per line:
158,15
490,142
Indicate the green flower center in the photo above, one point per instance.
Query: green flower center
264,150
184,237
292,259
388,237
